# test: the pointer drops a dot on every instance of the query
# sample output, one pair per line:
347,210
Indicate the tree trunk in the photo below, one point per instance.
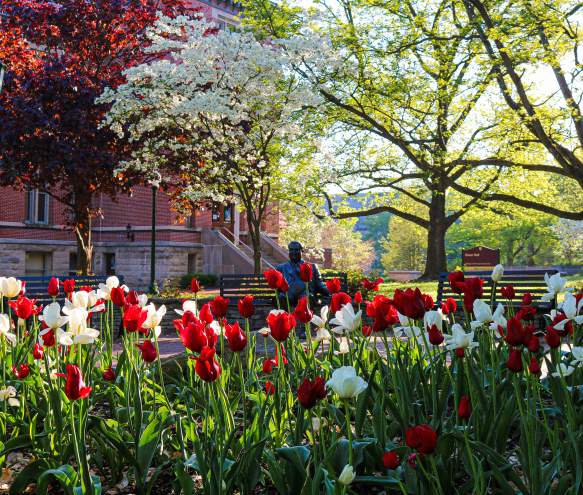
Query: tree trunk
436,261
82,217
254,226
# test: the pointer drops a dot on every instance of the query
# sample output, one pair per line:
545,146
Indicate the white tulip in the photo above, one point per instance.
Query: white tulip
10,287
498,319
9,394
346,383
343,347
265,331
5,328
320,321
187,306
577,353
105,289
322,335
77,330
432,318
347,475
482,313
570,308
52,316
497,273
564,370
142,300
346,320
154,316
555,285
459,338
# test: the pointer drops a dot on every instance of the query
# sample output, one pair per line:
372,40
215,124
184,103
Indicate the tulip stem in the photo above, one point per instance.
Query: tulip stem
348,430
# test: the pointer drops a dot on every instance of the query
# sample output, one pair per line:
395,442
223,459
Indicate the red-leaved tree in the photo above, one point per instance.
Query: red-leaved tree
59,57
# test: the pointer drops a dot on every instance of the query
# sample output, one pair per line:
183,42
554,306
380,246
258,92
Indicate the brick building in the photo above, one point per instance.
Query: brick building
34,239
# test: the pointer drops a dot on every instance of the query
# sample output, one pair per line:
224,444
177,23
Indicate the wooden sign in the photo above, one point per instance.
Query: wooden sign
480,256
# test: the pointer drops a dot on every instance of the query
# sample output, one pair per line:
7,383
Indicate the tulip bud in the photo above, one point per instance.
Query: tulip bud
37,351
464,409
269,388
358,298
497,273
53,288
391,460
347,475
534,366
306,272
514,362
195,286
109,375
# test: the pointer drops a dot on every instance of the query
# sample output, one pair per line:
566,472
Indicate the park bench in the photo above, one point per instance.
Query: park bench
237,286
36,287
523,281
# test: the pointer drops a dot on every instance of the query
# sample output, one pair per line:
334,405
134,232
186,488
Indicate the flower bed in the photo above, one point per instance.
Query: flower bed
466,398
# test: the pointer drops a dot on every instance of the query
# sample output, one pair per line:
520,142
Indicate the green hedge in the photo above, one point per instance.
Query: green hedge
205,279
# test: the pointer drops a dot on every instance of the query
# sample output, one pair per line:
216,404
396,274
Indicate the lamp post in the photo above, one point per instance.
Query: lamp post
155,183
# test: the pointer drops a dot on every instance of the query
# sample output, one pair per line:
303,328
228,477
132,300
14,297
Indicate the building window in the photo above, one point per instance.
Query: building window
38,264
228,213
72,263
109,263
37,206
216,215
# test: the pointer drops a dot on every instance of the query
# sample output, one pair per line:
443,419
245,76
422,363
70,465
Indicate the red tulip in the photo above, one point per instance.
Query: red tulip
334,285
132,298
75,387
410,303
553,337
24,307
533,344
514,332
205,314
435,335
207,367
527,299
448,306
69,286
383,311
268,365
366,330
149,353
534,366
53,288
195,285
21,372
514,362
473,289
372,285
118,296
311,391
37,351
219,306
526,313
269,388
281,324
460,352
456,281
567,329
422,438
109,375
391,460
338,300
246,307
306,272
303,313
274,278
134,317
236,338
508,292
464,408
283,285
358,298
49,338
194,335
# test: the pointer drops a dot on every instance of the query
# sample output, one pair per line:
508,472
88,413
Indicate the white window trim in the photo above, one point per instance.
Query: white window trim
32,207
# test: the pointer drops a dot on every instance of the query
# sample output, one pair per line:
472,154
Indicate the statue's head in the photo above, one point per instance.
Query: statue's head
295,251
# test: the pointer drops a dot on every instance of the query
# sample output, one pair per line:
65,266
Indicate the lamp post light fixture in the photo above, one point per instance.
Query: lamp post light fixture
155,183
1,75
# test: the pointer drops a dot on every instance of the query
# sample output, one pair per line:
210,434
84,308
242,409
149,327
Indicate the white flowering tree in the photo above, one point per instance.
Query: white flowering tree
219,116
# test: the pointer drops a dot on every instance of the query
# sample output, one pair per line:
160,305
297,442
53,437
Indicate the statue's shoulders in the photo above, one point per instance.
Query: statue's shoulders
282,266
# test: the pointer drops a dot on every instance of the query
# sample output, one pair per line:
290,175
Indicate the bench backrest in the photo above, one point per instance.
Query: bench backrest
236,286
523,281
36,287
